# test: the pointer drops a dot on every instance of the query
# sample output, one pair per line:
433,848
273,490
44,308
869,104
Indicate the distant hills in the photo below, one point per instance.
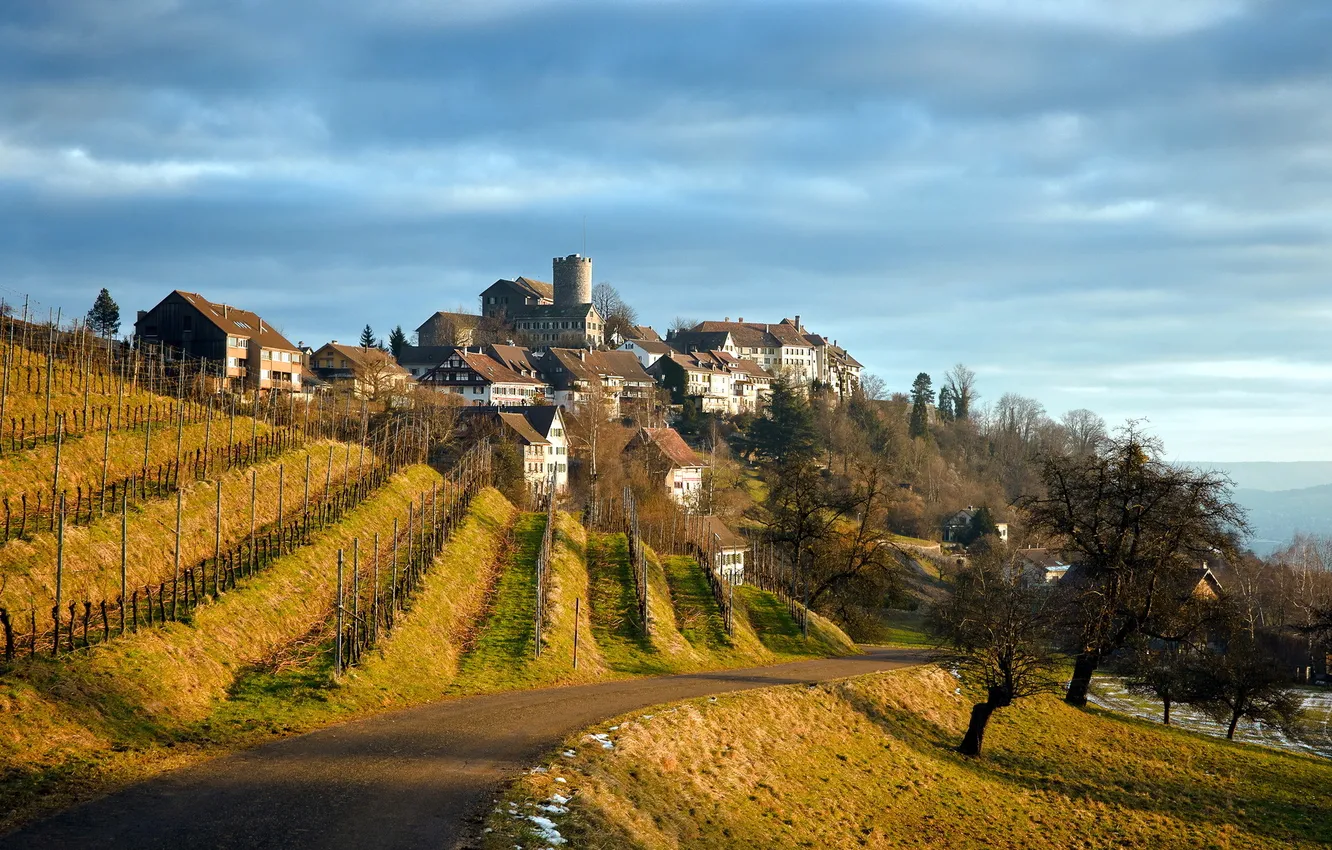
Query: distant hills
1282,498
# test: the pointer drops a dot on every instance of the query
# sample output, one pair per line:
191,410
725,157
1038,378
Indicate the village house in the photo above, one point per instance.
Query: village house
957,527
446,329
482,380
256,355
1043,565
419,359
717,380
666,456
366,372
541,433
505,299
647,351
728,548
576,375
546,314
835,367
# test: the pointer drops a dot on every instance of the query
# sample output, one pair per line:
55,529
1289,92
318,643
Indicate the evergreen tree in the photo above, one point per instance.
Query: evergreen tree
368,337
784,435
922,396
397,340
104,317
947,404
982,523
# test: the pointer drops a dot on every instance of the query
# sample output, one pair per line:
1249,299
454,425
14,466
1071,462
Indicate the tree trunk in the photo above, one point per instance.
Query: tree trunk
1166,719
980,716
1083,668
997,698
1234,721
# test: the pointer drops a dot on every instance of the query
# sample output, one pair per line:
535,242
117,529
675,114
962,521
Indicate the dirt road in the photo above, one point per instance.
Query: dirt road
414,778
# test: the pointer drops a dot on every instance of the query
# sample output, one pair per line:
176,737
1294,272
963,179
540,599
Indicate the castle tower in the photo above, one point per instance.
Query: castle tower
573,279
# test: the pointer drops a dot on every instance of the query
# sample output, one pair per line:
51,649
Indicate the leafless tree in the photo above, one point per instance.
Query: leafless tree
961,384
1084,430
682,323
618,316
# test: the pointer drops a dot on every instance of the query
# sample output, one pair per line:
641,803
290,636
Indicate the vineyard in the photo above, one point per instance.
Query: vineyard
183,569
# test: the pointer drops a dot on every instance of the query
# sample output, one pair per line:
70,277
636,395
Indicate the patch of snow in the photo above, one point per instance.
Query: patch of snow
539,769
613,729
546,830
569,754
558,799
648,716
561,779
603,739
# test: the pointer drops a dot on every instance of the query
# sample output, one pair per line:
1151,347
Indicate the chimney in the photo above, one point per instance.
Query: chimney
797,321
728,318
741,320
334,342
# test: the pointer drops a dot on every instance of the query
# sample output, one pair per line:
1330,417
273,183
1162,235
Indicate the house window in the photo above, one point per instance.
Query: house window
188,322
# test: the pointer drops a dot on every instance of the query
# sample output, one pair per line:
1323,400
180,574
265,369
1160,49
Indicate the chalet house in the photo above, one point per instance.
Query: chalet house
483,381
576,374
257,357
1044,565
544,438
647,351
445,328
367,372
728,548
957,527
505,299
664,453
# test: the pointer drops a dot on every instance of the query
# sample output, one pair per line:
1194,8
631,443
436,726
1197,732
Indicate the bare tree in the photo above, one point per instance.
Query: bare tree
873,387
681,323
961,385
1138,529
995,631
618,316
1084,431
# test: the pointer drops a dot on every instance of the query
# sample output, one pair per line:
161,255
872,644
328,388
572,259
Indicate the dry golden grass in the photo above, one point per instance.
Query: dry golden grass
81,457
65,392
871,762
92,553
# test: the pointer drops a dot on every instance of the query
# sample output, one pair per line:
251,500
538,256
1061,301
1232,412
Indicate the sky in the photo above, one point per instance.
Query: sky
1119,205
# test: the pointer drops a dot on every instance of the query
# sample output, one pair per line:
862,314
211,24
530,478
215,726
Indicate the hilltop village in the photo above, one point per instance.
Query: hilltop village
532,345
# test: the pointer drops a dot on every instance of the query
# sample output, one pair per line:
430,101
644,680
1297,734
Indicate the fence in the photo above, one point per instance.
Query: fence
638,562
766,572
177,595
542,567
363,612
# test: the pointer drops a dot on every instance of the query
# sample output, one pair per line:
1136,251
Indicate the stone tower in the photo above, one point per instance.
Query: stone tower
573,279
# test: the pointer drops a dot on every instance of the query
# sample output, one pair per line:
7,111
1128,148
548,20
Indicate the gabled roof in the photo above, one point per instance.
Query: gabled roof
699,340
432,354
362,357
758,334
490,370
539,288
651,346
644,332
237,322
520,426
526,286
589,365
515,357
726,538
1048,559
669,442
460,320
554,311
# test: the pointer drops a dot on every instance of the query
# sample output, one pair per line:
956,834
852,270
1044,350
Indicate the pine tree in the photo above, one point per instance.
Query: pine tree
104,317
397,340
784,435
922,396
368,337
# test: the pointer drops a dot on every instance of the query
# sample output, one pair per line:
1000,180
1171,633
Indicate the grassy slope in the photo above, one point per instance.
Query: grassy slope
62,721
870,762
81,456
29,403
92,553
169,696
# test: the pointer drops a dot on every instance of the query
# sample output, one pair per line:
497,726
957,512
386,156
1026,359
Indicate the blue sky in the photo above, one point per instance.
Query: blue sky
1116,205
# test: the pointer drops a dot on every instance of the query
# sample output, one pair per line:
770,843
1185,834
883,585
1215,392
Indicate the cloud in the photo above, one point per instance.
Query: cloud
1118,205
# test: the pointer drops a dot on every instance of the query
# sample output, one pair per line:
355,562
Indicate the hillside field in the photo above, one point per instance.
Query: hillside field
870,762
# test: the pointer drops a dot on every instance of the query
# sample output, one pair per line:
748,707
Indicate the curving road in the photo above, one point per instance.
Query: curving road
421,777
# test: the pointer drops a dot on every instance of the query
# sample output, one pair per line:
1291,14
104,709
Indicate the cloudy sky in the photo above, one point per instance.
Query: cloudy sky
1116,204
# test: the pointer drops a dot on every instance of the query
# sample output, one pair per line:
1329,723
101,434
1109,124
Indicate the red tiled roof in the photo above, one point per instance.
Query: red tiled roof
669,442
237,322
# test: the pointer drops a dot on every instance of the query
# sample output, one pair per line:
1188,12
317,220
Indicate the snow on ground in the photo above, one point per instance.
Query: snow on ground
1314,736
